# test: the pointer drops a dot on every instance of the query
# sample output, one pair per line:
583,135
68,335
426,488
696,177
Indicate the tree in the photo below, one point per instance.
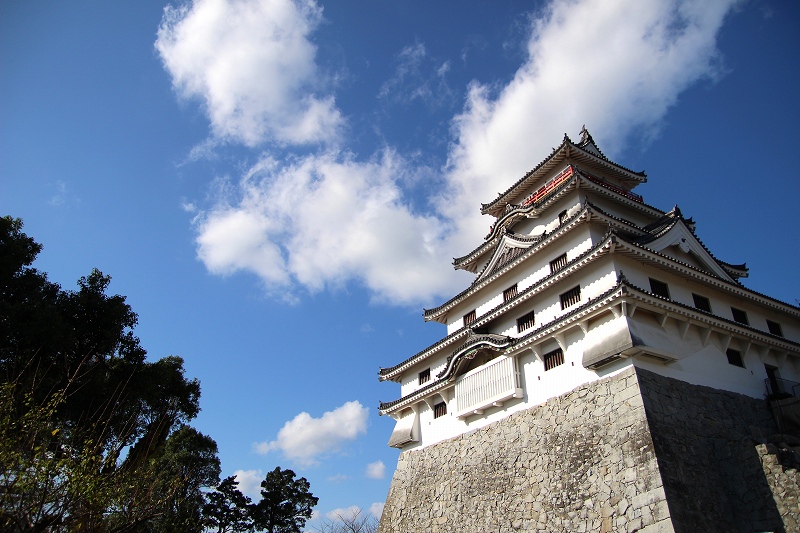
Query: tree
92,435
353,520
190,458
227,509
285,505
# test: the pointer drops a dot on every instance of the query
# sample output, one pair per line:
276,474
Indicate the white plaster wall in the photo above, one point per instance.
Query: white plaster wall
525,275
681,289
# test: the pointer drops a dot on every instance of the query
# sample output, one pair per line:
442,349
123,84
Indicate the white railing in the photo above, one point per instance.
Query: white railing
486,386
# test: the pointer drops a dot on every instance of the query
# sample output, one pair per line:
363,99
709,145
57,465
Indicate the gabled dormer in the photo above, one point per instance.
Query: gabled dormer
673,235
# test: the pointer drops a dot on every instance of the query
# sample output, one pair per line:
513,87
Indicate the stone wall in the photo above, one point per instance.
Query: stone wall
781,471
580,462
712,472
633,452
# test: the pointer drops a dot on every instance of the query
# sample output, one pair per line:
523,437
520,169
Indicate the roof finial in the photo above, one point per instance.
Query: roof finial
586,137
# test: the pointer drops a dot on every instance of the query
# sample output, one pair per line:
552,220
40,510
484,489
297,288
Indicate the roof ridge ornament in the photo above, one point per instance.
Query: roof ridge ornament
586,137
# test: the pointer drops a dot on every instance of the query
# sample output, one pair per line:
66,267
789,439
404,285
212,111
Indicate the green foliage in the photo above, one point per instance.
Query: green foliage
93,436
227,509
286,503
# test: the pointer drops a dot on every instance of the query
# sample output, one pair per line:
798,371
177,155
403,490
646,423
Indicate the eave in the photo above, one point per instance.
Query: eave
623,298
580,179
444,380
394,373
439,314
615,243
567,150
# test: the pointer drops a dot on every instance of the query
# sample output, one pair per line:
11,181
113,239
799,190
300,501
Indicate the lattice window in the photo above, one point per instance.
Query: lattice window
425,376
439,409
553,359
469,318
558,263
571,297
526,321
659,288
735,357
701,302
774,328
739,316
510,293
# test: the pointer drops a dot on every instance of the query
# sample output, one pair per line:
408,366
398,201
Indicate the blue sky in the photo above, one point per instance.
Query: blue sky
279,187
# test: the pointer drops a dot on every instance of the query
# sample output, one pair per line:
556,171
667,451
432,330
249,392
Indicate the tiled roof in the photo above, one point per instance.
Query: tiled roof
629,290
719,282
513,212
483,318
444,377
665,223
586,140
476,340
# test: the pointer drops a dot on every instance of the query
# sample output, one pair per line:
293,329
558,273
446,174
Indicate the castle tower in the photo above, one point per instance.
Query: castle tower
592,361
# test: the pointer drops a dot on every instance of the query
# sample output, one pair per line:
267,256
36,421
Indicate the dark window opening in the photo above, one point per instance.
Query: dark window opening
558,263
470,317
553,359
774,328
571,297
739,316
701,302
772,379
439,409
735,357
659,288
526,321
510,293
424,376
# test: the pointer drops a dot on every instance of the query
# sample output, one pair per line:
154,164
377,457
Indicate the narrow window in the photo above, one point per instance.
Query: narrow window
526,321
659,288
739,316
774,328
558,263
553,359
735,357
424,376
469,318
562,216
439,409
510,293
701,302
571,297
773,379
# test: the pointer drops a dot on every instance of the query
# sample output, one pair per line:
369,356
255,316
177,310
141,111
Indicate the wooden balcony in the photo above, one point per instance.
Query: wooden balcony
488,386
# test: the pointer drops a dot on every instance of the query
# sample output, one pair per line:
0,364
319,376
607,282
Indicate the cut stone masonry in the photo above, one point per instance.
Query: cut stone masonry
635,452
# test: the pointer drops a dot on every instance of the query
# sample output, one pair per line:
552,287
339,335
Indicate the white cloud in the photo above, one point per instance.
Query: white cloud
376,470
250,481
614,65
376,509
253,66
304,438
418,77
344,514
323,220
320,221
